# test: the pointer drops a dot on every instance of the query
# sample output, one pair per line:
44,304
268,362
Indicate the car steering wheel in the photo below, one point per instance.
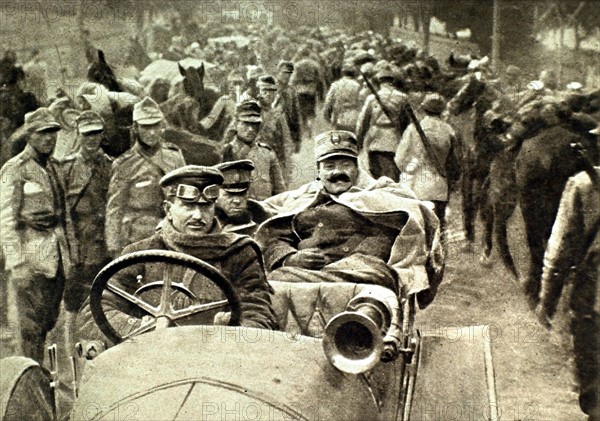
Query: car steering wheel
163,315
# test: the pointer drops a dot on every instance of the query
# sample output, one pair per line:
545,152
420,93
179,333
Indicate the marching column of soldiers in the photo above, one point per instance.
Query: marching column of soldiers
67,207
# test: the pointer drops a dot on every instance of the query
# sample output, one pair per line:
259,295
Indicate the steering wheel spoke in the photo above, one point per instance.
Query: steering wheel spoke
198,308
145,327
153,311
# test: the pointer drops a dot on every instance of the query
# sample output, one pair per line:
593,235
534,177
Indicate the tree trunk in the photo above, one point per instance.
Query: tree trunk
496,37
426,33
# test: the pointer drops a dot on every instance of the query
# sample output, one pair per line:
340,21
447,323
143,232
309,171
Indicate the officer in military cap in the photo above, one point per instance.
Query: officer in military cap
268,179
347,227
287,100
131,211
36,235
274,130
235,210
191,227
86,175
378,134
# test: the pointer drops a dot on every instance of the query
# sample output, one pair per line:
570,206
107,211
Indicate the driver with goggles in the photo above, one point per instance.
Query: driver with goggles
190,227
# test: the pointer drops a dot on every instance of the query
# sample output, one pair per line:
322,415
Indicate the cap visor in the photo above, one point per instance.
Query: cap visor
234,189
250,119
149,121
595,131
91,128
48,127
338,153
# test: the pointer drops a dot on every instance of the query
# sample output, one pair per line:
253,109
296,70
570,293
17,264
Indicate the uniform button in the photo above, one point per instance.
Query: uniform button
346,249
320,225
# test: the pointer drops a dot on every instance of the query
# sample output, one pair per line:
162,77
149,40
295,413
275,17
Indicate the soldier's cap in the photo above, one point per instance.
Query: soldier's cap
513,70
234,77
249,111
336,143
434,103
41,120
267,82
367,69
89,121
286,66
385,70
574,86
193,183
237,175
147,112
254,72
348,67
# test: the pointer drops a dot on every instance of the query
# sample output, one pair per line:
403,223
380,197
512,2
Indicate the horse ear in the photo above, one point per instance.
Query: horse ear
200,71
101,56
182,71
451,59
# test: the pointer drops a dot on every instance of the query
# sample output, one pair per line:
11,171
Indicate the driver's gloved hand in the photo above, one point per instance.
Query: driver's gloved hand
222,318
311,258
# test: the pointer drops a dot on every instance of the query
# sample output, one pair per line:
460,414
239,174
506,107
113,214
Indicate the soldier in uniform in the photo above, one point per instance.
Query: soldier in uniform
332,230
309,82
268,179
236,212
133,191
342,101
36,234
575,243
417,168
287,100
274,130
374,130
85,176
191,227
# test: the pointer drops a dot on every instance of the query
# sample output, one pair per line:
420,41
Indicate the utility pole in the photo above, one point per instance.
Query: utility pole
496,37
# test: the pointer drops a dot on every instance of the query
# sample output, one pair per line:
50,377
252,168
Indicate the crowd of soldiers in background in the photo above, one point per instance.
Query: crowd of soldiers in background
250,93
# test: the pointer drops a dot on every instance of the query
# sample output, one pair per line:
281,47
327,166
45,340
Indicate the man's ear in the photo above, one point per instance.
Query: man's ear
167,208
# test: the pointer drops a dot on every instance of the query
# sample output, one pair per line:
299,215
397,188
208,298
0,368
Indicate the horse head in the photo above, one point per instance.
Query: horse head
467,95
193,80
100,72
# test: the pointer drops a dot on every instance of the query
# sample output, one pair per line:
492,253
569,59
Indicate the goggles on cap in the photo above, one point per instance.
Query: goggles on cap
194,194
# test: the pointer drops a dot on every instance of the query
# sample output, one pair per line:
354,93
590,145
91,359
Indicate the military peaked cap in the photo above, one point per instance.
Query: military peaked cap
249,111
89,121
335,143
147,112
237,175
41,120
193,183
286,66
267,82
